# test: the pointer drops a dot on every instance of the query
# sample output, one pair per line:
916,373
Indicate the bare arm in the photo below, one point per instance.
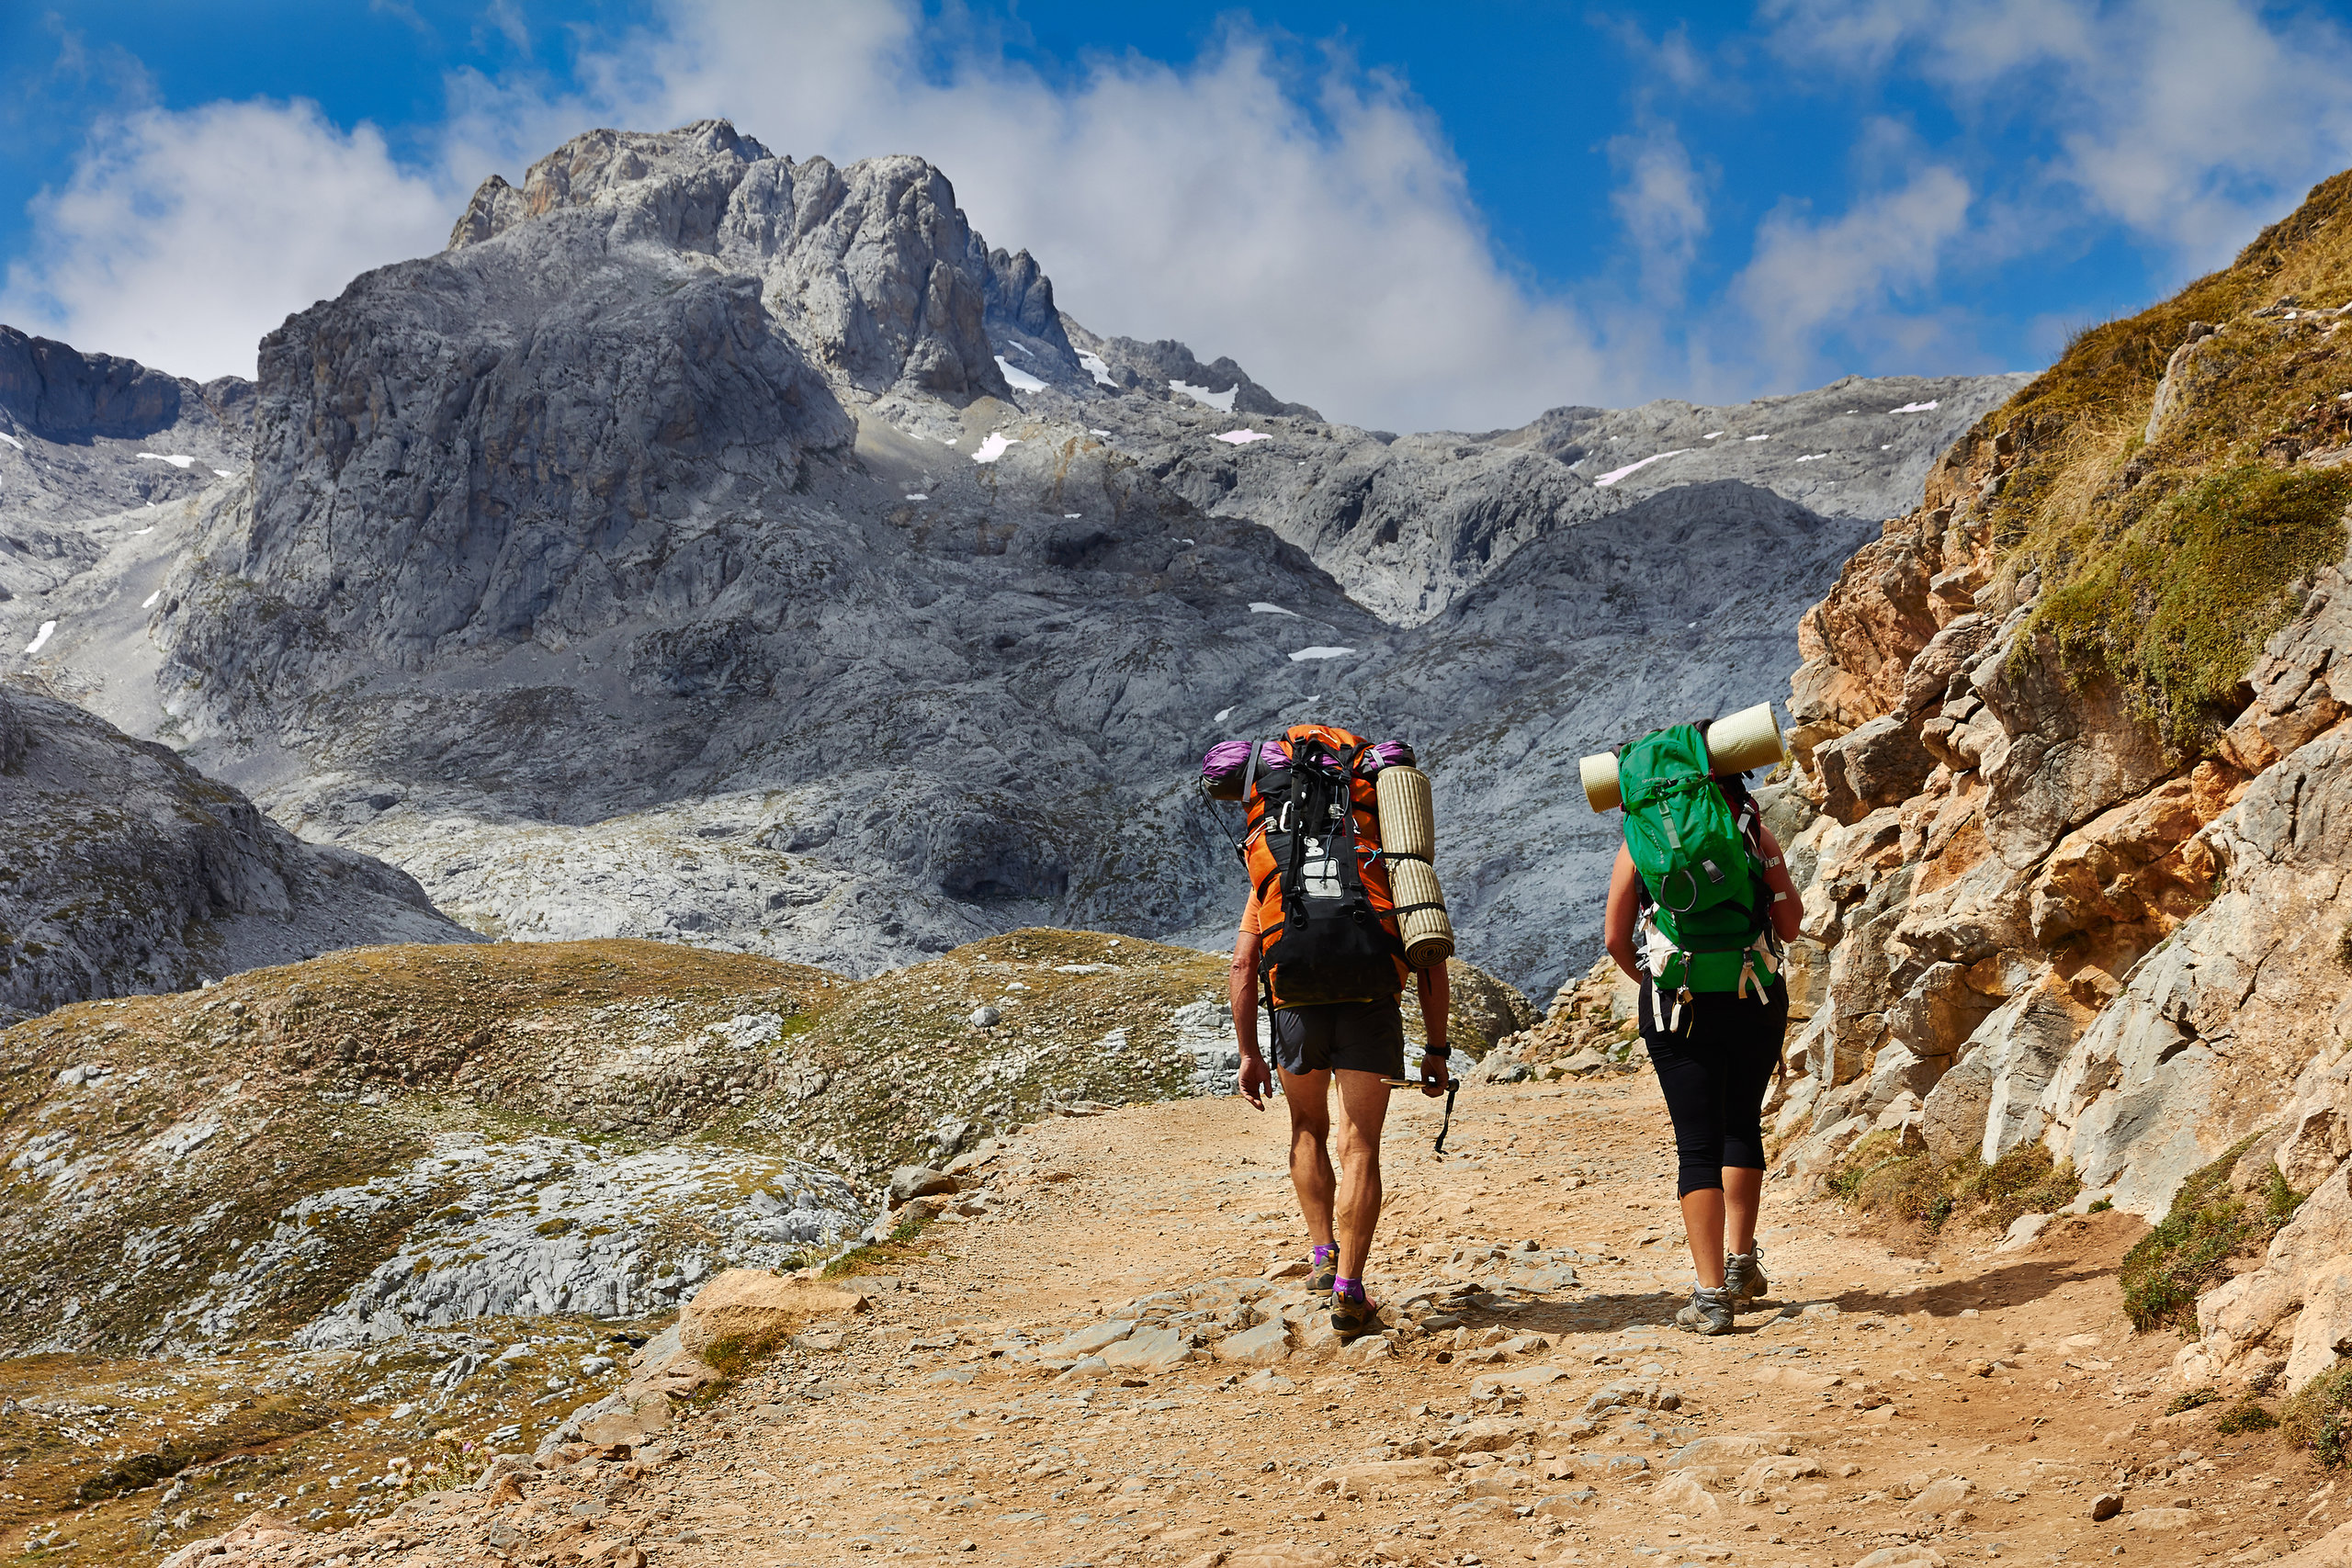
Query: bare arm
1436,991
1617,923
1241,987
1788,909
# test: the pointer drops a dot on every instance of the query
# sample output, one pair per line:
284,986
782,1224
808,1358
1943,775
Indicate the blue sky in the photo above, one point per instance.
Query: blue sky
1410,216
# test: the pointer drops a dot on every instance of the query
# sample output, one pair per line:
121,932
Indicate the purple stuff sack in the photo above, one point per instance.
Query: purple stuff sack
1227,763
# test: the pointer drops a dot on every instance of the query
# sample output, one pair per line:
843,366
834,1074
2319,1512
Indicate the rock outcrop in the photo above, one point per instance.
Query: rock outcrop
2071,889
128,871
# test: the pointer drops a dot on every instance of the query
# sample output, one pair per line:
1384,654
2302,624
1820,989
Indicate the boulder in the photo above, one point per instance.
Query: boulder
1088,1340
752,1304
2323,1331
2070,748
1952,1113
1681,1493
1148,1350
1880,763
1267,1343
911,1181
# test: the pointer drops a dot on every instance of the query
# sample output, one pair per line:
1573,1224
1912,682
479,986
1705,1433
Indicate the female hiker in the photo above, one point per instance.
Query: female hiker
1714,1008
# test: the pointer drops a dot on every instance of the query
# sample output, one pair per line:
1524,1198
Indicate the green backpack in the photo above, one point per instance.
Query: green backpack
1708,895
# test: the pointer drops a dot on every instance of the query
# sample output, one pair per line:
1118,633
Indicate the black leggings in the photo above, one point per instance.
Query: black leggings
1714,1075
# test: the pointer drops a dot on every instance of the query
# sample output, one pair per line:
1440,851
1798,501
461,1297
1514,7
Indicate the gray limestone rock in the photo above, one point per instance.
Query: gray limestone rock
129,871
88,443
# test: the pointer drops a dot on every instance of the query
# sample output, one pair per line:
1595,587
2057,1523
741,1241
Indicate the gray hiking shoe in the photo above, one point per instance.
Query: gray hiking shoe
1709,1311
1744,1276
1322,1268
1352,1317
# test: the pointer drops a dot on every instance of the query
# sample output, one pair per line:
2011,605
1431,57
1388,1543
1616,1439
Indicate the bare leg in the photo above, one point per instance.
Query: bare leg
1703,1221
1743,1195
1363,1109
1308,1097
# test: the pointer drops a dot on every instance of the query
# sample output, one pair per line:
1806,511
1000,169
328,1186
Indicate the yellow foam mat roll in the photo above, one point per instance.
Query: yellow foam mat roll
1428,933
1748,739
1408,820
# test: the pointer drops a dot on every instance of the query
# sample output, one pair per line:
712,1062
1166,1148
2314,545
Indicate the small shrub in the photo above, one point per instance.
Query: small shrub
731,1356
2190,1249
2280,1200
1870,1152
2317,1417
2102,1206
2246,1416
2026,1181
2194,1399
1906,1188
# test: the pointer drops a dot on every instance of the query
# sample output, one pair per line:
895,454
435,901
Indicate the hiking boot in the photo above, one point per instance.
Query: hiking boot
1744,1276
1322,1268
1352,1317
1709,1311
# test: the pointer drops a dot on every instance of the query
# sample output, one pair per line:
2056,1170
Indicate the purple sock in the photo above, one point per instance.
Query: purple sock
1351,1288
1326,1255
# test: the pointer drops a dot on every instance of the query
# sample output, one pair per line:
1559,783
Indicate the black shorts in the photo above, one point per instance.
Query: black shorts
1364,1037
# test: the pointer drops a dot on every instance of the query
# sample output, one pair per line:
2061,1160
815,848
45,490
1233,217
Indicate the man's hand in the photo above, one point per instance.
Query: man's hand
1256,1080
1434,1075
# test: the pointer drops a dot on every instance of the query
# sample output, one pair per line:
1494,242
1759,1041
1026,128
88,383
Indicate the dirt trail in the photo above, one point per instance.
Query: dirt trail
1893,1411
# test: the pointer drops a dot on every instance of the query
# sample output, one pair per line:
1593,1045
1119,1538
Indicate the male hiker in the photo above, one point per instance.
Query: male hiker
1335,1021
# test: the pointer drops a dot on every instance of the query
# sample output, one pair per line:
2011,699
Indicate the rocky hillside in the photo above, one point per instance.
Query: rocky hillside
889,609
2073,728
85,436
127,871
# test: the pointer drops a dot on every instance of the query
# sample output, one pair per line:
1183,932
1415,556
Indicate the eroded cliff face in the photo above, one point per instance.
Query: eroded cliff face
2073,877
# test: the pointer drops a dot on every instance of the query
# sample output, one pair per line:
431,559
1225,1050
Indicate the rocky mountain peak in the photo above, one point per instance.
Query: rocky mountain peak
871,269
610,167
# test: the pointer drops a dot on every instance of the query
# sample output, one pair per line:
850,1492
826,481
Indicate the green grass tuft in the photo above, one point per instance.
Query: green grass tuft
2189,1250
2246,1416
2320,1417
2178,607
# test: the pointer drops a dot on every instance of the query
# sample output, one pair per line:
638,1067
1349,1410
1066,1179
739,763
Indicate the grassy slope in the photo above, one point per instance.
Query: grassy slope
2171,561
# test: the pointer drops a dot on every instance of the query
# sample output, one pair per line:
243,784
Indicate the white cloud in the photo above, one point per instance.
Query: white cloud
183,237
2190,121
1662,203
1845,277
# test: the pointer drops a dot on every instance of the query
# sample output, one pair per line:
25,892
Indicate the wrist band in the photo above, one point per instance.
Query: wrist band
1439,1051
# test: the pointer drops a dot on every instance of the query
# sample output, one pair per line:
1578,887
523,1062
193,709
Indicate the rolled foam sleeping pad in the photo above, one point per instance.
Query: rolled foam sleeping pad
1598,773
1748,740
1408,828
1408,820
1428,933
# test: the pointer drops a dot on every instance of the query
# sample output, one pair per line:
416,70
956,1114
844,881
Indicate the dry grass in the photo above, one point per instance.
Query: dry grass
2192,1248
2167,563
1888,1176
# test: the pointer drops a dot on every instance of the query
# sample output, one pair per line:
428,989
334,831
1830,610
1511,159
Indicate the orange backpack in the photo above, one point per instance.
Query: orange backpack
1327,922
